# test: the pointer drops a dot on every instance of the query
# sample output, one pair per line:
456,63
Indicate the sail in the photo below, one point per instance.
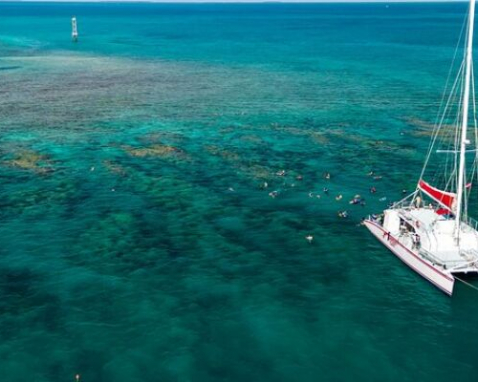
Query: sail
446,199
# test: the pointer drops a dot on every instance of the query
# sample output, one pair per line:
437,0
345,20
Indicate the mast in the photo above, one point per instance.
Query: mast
464,123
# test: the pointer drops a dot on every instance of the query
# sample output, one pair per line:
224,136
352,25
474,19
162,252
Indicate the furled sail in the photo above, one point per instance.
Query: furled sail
446,199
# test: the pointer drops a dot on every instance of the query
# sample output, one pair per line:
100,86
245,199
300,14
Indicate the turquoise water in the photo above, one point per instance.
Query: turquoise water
137,239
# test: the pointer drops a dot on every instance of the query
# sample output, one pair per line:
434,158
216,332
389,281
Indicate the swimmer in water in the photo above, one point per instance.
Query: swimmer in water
326,190
338,197
273,194
373,190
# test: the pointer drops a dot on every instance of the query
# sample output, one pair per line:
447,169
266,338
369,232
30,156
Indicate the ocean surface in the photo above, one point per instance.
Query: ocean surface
140,239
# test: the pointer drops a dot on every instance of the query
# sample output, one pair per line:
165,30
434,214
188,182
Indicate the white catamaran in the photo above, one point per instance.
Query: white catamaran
430,230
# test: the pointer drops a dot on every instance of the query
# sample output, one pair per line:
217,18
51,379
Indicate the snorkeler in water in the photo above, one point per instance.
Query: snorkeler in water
343,214
273,194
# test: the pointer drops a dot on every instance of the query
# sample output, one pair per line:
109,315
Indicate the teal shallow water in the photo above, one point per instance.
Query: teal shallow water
136,242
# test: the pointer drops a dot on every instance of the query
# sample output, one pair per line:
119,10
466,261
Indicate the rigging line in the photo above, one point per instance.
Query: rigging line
445,90
451,97
448,133
457,133
461,207
442,170
448,137
444,113
463,25
439,112
453,178
437,127
441,151
437,130
445,169
474,125
466,283
465,123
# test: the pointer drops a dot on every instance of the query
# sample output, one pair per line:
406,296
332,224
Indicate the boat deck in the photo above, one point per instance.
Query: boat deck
437,239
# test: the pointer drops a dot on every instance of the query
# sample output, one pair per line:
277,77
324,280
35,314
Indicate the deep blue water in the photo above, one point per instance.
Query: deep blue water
137,239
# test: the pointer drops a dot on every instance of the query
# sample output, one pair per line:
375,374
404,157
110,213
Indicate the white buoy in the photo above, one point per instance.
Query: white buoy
74,30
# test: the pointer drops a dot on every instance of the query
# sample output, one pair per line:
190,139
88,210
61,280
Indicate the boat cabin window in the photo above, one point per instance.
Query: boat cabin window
406,227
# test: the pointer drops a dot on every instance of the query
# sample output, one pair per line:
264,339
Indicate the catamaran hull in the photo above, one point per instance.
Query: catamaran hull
443,281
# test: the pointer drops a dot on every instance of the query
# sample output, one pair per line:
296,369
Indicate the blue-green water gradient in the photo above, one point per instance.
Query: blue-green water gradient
138,239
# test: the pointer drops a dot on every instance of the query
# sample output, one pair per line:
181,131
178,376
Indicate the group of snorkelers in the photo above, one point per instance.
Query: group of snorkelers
356,200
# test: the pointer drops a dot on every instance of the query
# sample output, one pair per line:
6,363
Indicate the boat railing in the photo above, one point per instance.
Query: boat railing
473,253
472,223
470,257
435,260
406,202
